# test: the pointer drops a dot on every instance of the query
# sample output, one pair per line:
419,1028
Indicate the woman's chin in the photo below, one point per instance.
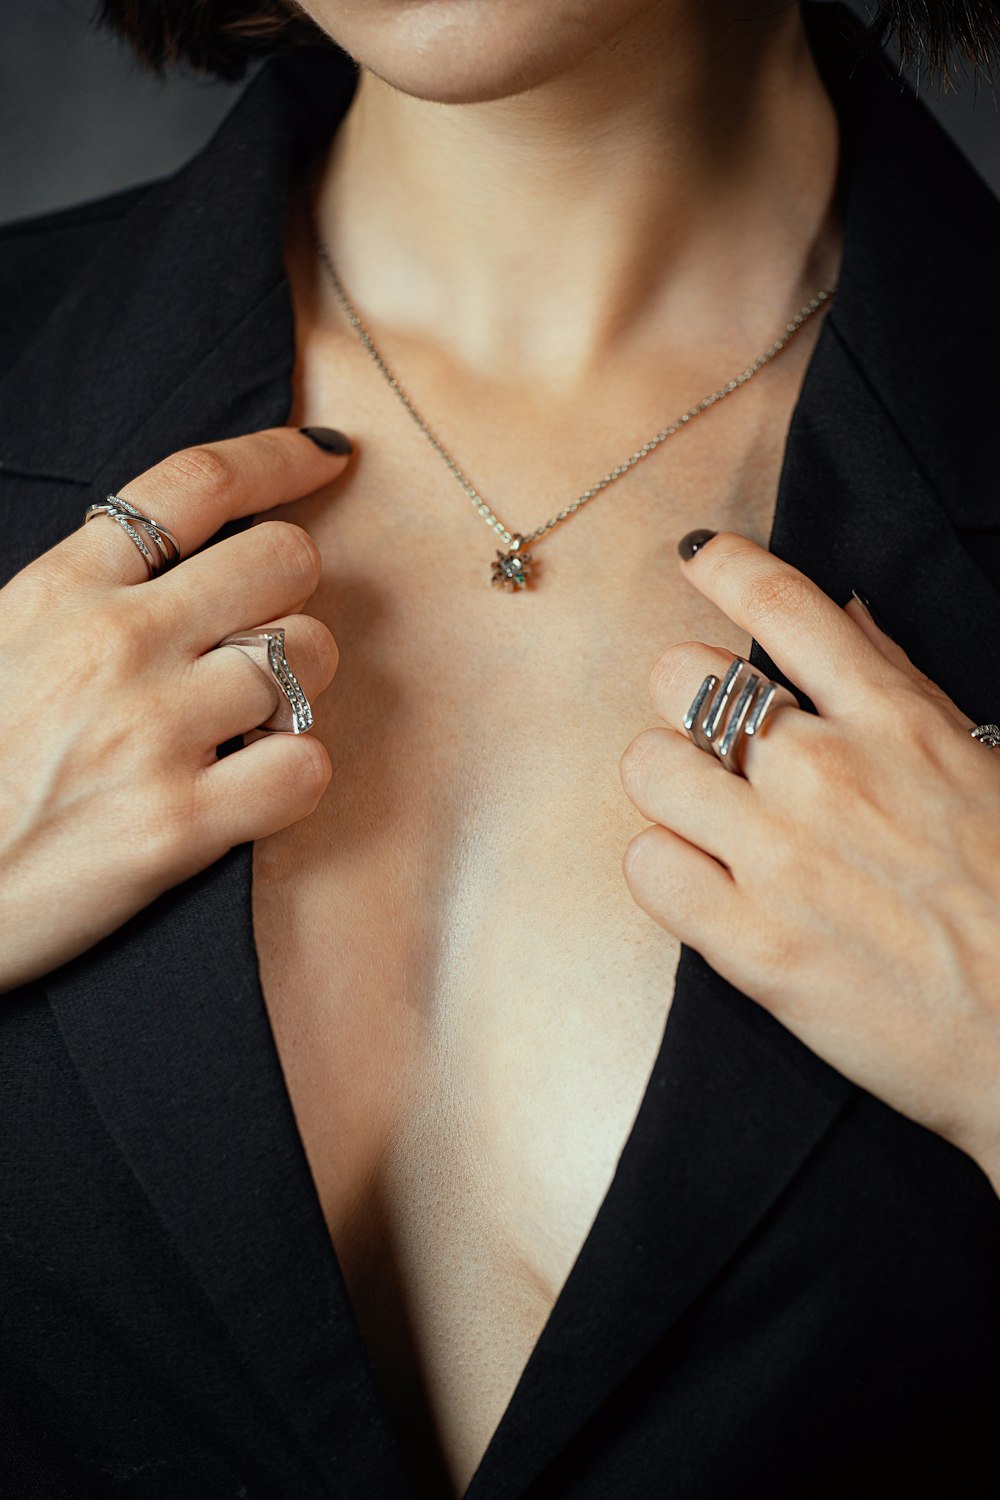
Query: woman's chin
470,51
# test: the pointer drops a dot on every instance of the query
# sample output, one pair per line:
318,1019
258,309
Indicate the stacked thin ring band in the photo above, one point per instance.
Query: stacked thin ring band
166,551
265,648
722,713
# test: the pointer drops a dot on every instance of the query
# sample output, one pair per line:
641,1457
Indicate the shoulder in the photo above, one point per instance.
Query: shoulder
41,256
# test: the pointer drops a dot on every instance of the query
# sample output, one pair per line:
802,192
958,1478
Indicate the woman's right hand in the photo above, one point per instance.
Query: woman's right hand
113,700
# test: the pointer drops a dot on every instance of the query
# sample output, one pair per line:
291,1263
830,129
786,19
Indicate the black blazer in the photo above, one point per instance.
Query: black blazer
790,1289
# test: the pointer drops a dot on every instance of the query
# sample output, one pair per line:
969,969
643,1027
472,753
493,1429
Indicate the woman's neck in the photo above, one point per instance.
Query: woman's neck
676,184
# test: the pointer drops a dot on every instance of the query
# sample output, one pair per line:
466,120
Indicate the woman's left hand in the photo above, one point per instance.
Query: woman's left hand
849,880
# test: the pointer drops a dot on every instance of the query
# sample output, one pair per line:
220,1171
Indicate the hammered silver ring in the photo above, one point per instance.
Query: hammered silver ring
987,734
723,714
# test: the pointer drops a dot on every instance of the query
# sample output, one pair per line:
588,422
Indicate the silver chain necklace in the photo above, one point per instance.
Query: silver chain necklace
512,569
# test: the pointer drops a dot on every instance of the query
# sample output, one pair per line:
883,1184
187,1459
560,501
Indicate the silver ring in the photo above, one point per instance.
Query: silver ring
266,649
167,548
987,734
748,698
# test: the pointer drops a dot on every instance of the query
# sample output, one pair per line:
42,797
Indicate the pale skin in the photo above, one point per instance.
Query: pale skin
466,1035
847,881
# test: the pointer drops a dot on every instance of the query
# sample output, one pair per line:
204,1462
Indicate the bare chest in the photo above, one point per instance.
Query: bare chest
466,1002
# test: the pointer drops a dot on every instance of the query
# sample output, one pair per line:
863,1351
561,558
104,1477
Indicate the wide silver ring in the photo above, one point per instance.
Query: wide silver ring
266,649
164,549
723,713
987,734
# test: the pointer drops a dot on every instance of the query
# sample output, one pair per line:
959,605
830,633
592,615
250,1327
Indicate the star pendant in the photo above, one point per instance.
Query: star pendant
512,569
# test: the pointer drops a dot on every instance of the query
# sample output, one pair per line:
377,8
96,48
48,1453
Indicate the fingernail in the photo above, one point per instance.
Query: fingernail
866,606
693,542
329,439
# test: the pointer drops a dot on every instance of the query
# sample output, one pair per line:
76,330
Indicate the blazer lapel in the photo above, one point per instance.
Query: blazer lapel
178,1054
735,1104
179,1059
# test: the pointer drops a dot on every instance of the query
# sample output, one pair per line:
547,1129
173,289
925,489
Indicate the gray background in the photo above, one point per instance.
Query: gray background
79,117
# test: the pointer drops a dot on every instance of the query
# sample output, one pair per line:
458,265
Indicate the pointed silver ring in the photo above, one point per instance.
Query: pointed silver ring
266,649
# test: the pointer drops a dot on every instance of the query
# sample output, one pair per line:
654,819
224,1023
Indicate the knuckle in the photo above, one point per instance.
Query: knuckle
773,950
111,646
781,592
925,727
43,586
114,648
131,623
825,762
204,469
171,828
290,549
790,865
672,669
910,712
270,450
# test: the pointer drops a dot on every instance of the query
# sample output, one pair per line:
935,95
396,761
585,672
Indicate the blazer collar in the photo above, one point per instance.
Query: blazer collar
883,461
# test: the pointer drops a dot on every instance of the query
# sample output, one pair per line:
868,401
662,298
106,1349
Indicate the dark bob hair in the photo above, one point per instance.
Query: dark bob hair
221,36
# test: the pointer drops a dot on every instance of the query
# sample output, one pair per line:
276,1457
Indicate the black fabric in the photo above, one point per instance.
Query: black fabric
43,255
790,1290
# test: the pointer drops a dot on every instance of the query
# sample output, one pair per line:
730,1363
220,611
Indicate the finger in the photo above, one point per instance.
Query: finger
270,783
268,570
894,653
804,632
195,491
680,887
227,694
676,679
682,788
865,622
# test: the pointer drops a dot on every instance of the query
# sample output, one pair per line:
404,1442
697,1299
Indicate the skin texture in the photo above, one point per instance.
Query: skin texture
669,165
622,210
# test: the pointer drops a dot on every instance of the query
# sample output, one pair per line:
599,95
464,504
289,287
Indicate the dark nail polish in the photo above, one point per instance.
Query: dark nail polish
329,439
693,542
866,606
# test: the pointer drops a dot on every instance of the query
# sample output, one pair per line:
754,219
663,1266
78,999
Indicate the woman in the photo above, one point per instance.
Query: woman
404,1149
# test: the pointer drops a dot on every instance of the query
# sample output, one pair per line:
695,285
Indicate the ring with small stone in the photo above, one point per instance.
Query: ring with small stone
165,551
